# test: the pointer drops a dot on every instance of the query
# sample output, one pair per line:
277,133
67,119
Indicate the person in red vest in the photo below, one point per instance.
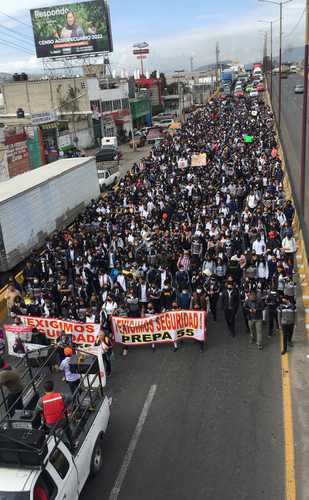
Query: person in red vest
53,406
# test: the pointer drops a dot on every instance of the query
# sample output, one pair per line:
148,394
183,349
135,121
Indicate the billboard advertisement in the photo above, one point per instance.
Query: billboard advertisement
72,29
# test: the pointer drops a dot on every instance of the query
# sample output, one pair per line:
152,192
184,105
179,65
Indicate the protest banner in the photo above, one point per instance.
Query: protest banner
83,333
199,160
164,327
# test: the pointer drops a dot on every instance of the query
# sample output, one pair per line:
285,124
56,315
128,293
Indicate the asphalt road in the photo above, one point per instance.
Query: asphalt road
214,429
291,124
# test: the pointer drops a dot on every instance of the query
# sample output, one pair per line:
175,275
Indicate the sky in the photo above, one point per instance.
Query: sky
176,30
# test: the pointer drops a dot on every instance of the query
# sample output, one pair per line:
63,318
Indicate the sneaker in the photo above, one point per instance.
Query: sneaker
260,347
124,352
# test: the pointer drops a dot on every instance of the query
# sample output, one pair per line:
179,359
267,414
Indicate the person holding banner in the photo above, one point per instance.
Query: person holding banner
107,350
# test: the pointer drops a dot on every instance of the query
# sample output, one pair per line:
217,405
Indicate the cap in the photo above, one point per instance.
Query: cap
68,351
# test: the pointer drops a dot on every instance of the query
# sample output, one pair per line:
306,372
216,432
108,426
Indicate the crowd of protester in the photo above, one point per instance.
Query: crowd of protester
172,235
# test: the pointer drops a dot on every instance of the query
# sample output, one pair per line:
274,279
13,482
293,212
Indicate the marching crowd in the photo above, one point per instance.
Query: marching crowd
177,236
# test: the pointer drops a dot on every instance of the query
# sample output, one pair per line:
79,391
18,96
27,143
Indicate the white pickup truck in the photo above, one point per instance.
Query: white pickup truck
36,464
106,179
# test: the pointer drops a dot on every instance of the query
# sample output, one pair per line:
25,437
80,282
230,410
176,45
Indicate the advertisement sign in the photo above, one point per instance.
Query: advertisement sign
83,333
44,117
158,328
72,29
140,51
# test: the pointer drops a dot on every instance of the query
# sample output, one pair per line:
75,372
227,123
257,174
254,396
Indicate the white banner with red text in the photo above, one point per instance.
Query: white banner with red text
165,327
83,333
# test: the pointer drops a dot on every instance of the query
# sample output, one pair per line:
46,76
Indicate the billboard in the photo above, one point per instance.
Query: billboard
72,29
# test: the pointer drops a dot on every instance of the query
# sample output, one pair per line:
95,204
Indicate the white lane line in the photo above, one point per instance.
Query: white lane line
132,445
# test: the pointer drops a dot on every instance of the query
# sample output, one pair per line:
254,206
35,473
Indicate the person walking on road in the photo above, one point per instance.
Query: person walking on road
287,319
230,304
254,307
72,379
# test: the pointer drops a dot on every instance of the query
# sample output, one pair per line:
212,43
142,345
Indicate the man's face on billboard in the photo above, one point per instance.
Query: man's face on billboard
70,19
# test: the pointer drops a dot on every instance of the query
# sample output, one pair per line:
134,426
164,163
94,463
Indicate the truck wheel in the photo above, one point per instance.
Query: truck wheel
97,458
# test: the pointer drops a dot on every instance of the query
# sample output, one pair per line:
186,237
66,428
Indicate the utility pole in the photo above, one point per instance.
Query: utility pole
217,64
280,70
280,3
304,119
271,61
191,64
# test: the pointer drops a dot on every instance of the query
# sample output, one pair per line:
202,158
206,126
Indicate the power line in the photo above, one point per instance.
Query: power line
16,34
19,47
15,19
296,25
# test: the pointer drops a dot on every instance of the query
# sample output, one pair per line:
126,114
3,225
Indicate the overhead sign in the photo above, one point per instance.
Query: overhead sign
165,327
45,117
72,29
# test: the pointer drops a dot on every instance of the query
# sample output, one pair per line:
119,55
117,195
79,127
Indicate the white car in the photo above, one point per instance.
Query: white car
254,93
106,178
55,465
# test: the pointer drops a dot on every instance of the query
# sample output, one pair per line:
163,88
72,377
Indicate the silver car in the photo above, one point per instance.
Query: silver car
299,89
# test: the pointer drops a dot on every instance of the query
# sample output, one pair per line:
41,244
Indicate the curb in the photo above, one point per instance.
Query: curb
302,267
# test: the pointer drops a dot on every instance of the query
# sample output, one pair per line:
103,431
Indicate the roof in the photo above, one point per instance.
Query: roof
155,133
24,182
16,480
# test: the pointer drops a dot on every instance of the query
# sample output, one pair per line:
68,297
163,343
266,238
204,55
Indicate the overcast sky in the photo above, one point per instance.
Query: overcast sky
175,29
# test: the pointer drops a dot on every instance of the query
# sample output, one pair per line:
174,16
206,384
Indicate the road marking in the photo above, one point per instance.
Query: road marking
290,488
132,445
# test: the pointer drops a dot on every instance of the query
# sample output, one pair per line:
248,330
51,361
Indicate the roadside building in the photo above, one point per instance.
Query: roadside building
110,107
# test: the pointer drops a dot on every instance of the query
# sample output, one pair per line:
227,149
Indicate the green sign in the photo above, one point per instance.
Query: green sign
248,138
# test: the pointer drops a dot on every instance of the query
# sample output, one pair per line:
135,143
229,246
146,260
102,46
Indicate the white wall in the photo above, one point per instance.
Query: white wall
29,218
95,93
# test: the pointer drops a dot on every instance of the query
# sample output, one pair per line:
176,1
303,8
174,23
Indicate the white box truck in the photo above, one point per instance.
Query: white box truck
35,204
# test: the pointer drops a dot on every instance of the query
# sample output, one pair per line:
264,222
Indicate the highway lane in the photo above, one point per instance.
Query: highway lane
214,428
291,122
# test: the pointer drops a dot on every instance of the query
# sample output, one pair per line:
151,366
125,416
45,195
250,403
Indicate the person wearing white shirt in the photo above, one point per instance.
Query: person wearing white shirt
289,246
259,246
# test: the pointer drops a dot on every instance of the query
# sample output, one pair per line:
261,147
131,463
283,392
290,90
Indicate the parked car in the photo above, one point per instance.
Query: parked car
165,123
239,93
299,88
108,153
254,93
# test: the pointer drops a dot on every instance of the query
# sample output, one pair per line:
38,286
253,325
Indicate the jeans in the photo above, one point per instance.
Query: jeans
272,318
256,331
230,320
288,331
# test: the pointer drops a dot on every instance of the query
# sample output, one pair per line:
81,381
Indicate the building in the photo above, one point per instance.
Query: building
59,108
141,111
110,107
151,87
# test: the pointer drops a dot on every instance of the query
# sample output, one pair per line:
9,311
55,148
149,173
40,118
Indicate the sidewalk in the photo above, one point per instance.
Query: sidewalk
295,368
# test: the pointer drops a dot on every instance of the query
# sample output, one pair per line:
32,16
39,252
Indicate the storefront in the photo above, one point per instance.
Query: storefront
141,112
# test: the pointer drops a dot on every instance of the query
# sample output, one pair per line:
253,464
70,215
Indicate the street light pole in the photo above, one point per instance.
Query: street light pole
281,3
280,70
304,118
271,61
271,55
